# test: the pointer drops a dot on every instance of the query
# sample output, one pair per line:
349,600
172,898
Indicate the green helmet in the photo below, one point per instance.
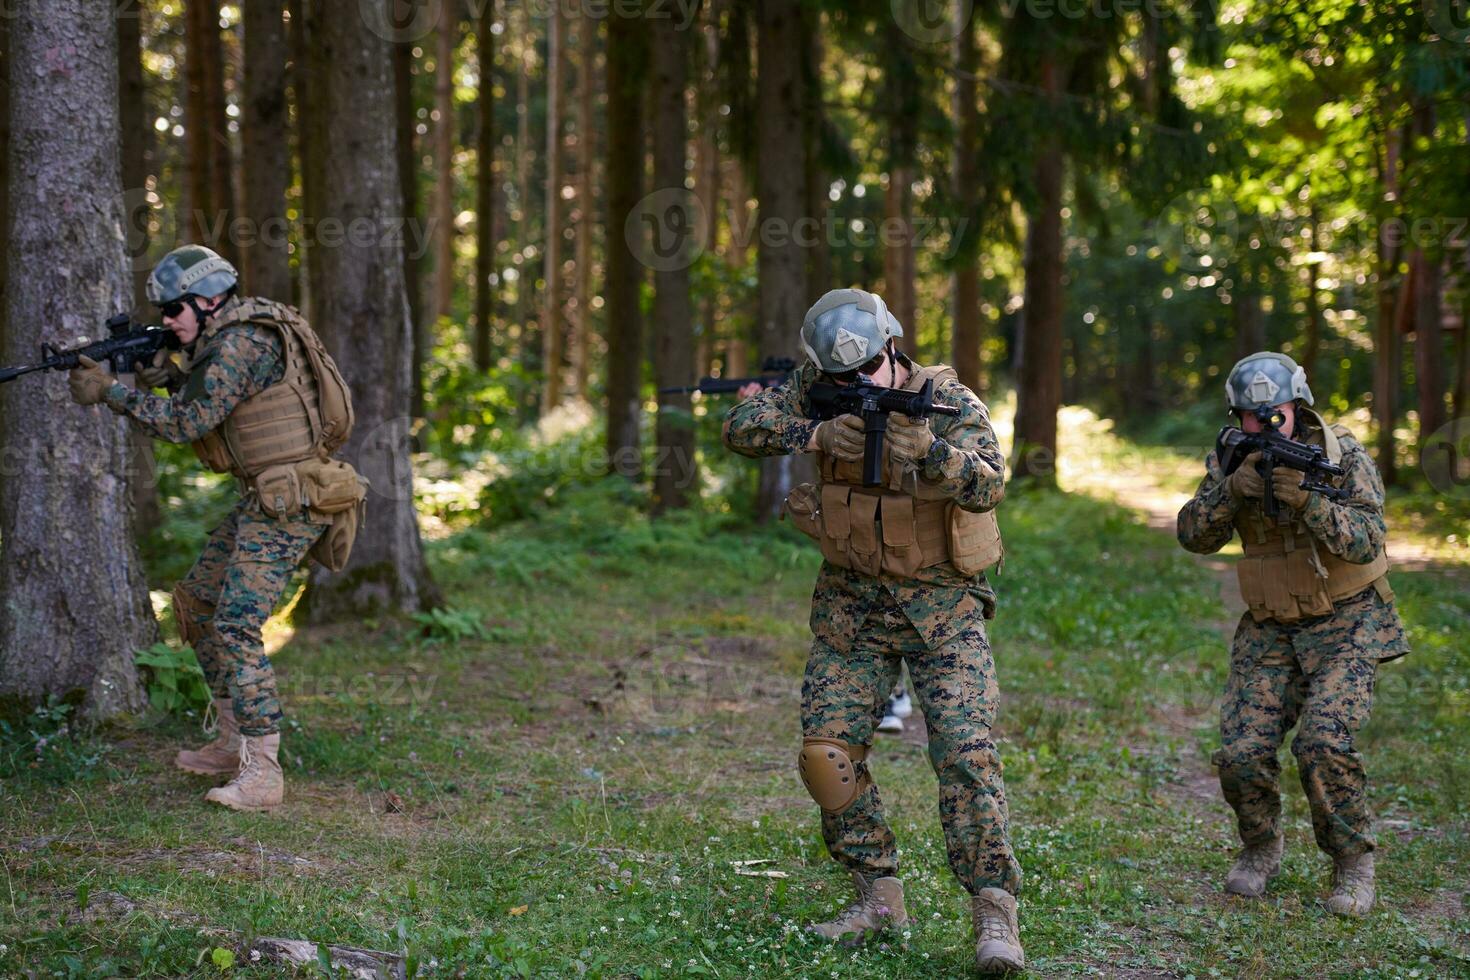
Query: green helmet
190,270
1266,379
846,328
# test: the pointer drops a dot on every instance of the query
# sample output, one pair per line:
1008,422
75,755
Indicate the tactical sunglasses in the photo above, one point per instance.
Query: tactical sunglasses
172,308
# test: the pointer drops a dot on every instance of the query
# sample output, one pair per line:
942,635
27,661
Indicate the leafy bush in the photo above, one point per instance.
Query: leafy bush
173,678
47,745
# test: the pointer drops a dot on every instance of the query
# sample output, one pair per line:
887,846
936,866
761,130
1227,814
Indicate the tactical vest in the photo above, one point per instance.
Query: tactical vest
906,524
308,413
1286,574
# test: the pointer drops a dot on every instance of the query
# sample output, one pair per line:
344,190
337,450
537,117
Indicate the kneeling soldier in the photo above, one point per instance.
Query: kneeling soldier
257,396
1320,618
903,580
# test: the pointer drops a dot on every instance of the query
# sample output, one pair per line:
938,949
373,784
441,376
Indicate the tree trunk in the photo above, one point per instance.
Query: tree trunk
1387,353
1039,374
1429,347
363,318
965,336
529,353
551,314
586,205
902,108
406,147
311,80
1314,308
780,179
443,297
675,474
76,605
819,252
221,168
267,267
626,54
196,114
485,187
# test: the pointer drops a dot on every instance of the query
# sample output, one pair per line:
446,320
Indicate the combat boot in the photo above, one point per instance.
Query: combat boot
259,784
1352,885
1254,867
879,906
220,757
997,932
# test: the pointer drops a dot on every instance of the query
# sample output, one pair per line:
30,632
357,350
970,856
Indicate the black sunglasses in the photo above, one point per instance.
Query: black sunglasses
171,309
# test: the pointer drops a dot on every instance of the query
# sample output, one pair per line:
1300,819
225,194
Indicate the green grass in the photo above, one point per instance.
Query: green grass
606,718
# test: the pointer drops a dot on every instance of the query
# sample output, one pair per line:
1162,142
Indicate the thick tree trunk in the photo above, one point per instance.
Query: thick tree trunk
221,167
529,353
485,188
780,179
626,54
75,603
902,108
267,267
965,336
197,25
586,204
675,473
819,252
1039,375
311,82
363,318
444,119
1387,352
406,146
1429,347
552,337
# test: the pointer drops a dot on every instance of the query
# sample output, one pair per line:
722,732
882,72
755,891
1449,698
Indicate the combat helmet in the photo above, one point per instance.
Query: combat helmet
1264,380
190,270
846,329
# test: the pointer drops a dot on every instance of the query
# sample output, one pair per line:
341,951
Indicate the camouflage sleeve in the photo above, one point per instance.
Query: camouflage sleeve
241,362
1207,522
1352,529
965,459
771,422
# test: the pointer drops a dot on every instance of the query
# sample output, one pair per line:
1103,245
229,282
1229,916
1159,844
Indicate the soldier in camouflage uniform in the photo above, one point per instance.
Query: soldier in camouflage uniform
1320,618
230,371
903,580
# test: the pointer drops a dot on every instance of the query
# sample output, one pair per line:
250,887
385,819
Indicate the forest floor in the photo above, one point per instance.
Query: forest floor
584,767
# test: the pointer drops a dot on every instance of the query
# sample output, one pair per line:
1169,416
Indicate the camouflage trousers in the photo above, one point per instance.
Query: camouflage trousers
229,594
842,697
1317,675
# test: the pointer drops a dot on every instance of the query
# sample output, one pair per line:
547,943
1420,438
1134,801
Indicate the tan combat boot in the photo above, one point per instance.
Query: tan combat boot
1254,867
220,757
997,932
879,906
1352,885
258,785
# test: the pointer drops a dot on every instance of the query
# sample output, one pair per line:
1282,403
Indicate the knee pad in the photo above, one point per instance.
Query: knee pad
188,611
830,771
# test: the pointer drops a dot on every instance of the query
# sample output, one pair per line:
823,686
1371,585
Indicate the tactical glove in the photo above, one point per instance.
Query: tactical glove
842,438
1245,481
1287,485
88,380
909,439
159,374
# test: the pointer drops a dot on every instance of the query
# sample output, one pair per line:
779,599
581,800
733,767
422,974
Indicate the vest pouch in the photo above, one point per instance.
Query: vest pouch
901,553
279,491
334,547
864,549
836,522
330,486
1307,587
974,540
1250,575
212,452
804,505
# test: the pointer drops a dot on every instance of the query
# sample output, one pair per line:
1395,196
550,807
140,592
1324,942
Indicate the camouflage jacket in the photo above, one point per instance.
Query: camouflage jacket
965,461
1352,529
224,369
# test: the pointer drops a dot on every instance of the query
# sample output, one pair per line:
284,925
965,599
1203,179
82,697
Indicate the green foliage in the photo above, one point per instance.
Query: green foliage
173,678
444,623
48,745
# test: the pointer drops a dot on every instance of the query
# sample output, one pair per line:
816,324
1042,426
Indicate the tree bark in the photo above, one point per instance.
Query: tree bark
1314,308
75,602
443,297
197,118
1039,385
586,204
965,336
626,53
552,338
406,146
363,318
675,473
221,167
780,179
1429,347
819,253
485,188
311,81
902,108
1387,352
267,266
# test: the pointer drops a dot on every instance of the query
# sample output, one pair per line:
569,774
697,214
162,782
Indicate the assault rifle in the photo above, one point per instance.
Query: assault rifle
127,344
1234,445
873,403
774,371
